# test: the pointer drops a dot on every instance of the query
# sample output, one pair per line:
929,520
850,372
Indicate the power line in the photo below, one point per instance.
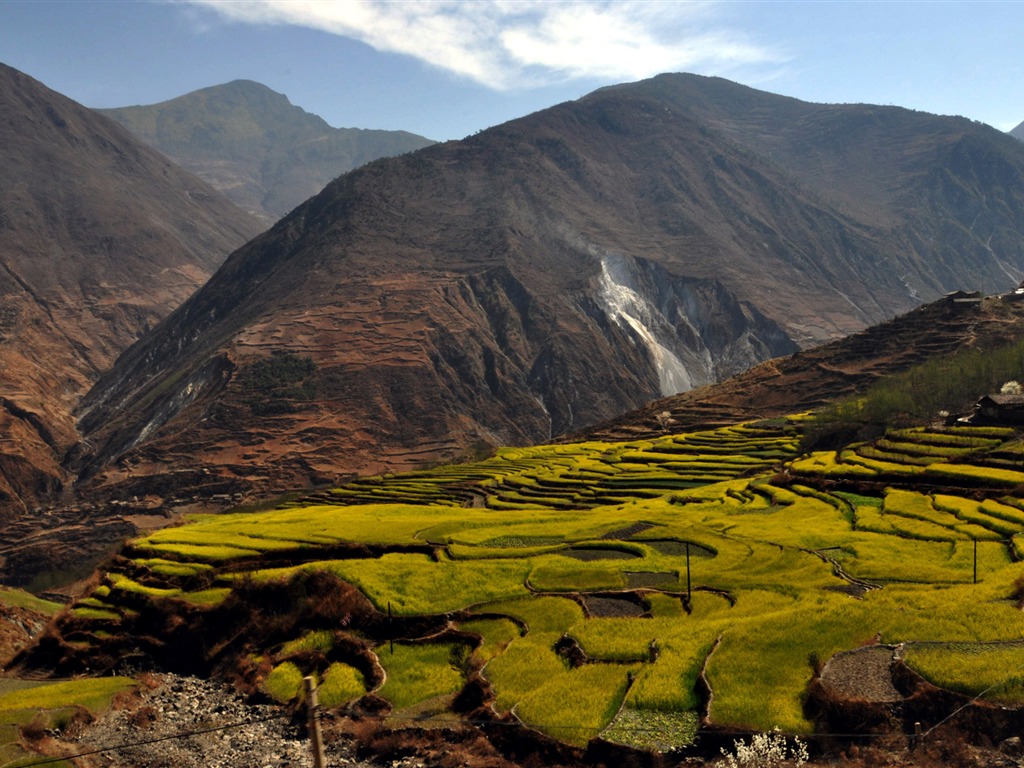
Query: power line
447,721
477,723
157,740
958,710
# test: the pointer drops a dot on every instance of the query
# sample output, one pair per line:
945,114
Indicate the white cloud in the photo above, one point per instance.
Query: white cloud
506,44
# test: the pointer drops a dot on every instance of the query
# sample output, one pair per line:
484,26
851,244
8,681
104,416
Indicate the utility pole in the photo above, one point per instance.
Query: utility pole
975,561
689,595
316,739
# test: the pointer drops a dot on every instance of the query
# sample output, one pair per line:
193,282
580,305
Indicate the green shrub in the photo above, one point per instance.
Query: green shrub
341,684
284,683
320,640
277,383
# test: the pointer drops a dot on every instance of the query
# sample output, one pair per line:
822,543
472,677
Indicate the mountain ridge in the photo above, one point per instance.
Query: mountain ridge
556,270
255,146
100,237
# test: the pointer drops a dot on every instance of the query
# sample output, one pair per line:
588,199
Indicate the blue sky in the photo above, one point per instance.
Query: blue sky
448,68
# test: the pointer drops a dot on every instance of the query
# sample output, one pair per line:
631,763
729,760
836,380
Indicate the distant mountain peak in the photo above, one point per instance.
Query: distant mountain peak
1018,132
256,97
251,143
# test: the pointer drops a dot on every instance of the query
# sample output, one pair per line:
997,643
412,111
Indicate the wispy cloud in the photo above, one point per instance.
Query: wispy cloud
506,44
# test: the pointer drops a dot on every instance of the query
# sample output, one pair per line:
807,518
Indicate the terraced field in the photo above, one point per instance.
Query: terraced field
40,706
604,589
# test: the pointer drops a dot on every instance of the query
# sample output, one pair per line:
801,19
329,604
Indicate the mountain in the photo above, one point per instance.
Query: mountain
253,145
1018,132
548,274
100,238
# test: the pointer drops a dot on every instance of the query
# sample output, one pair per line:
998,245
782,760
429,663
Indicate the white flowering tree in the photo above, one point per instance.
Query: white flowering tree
767,750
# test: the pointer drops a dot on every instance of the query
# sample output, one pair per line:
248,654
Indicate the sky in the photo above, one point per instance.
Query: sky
446,69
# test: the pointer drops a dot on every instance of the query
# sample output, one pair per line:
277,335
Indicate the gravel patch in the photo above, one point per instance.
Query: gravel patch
226,732
861,675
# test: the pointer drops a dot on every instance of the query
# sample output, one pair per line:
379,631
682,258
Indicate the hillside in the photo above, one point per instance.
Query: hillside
589,603
548,274
809,379
100,238
1018,132
255,147
825,374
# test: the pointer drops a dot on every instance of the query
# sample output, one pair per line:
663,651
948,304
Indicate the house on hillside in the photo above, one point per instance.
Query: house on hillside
999,409
964,299
1017,294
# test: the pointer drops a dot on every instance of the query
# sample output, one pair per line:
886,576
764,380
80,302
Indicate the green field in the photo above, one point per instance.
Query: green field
591,583
48,705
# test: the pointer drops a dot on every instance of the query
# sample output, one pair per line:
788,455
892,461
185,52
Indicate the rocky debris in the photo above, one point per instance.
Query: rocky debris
187,722
18,627
1012,747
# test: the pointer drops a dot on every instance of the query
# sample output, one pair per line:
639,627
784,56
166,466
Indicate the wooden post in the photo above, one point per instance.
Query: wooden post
689,596
315,737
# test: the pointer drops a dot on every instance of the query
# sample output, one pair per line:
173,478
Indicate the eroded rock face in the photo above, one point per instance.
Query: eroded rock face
18,628
695,330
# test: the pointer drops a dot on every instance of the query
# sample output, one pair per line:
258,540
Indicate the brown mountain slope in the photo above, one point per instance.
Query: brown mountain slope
548,274
944,191
818,376
255,147
100,237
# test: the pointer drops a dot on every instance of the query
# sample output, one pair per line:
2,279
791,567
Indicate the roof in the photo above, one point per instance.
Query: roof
1005,401
964,296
